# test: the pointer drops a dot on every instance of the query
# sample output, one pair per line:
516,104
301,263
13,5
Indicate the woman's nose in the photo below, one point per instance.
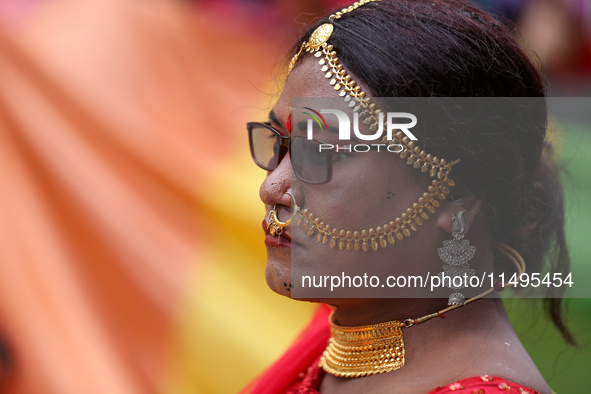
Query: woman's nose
274,188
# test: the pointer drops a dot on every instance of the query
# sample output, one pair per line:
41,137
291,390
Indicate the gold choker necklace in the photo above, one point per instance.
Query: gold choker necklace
353,352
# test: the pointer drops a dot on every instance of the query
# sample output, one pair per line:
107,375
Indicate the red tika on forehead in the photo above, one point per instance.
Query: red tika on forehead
288,124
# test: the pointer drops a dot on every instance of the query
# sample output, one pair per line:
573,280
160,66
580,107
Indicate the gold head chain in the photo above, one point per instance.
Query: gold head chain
351,92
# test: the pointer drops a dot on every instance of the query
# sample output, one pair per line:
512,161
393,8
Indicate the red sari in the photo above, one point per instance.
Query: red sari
297,371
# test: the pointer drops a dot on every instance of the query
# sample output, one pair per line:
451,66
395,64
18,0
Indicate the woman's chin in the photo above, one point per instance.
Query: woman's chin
278,275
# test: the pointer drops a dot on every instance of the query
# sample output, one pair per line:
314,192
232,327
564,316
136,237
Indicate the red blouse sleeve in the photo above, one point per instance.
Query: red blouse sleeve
484,384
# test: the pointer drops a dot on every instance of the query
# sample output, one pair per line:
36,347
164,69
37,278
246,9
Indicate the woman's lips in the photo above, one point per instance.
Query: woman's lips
278,241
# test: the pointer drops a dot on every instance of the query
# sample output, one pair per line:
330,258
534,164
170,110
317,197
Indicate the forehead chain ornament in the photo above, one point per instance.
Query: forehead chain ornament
438,168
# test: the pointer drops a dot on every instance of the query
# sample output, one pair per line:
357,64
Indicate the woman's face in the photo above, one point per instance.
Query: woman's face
367,190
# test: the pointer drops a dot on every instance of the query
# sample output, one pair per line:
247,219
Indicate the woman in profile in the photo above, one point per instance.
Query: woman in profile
373,209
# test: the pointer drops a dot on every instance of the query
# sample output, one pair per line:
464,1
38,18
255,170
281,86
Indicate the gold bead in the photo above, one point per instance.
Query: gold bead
349,246
333,243
341,244
365,246
391,239
383,242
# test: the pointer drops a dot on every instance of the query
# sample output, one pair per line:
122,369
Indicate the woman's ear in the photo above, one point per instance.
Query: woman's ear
468,203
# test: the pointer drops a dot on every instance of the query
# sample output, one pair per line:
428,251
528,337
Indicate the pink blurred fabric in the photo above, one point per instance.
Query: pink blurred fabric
113,120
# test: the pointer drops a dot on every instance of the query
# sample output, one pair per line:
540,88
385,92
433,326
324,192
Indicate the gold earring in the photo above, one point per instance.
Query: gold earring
276,226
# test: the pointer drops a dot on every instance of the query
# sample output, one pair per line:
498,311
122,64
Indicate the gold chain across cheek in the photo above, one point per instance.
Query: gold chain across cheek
382,235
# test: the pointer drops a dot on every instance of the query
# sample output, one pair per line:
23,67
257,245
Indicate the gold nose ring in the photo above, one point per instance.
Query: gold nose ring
275,225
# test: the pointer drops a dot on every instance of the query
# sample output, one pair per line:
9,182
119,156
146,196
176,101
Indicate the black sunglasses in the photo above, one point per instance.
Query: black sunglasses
309,162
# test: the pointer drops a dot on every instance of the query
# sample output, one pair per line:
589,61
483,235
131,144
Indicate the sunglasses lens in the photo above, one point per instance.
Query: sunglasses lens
265,146
309,162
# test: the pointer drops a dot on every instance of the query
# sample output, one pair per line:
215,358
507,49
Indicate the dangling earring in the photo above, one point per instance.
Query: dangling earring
455,254
275,226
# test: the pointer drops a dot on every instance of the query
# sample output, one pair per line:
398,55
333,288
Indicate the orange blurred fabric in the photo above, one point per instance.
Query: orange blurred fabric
117,120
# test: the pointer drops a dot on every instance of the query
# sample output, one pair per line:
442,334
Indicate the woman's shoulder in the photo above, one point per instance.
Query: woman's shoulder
483,384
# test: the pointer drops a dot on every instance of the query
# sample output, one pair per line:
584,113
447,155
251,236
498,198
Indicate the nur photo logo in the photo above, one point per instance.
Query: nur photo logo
393,122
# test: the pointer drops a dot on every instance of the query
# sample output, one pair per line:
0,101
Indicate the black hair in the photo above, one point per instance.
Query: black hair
449,48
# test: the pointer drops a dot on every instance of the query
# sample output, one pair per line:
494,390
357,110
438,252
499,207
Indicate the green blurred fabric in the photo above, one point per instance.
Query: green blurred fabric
565,368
